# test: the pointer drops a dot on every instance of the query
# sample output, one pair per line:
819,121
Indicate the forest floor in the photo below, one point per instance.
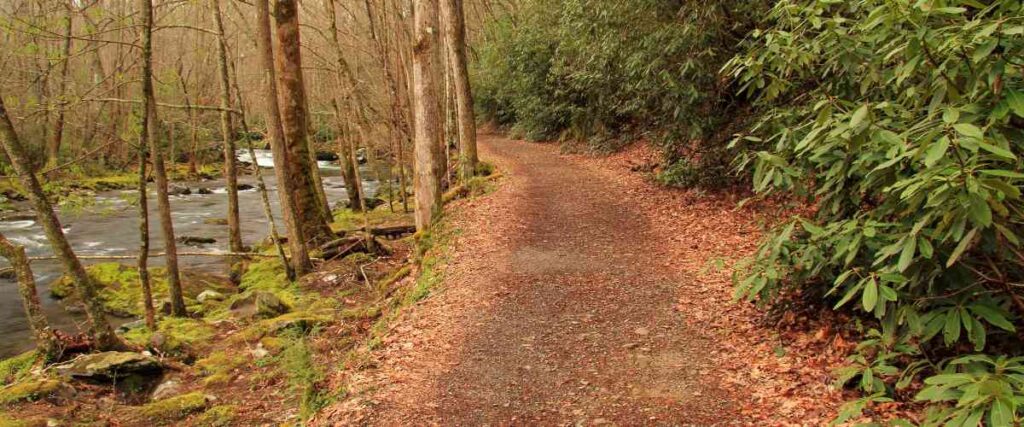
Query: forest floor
581,292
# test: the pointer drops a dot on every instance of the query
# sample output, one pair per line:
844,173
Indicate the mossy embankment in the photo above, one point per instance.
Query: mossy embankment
269,351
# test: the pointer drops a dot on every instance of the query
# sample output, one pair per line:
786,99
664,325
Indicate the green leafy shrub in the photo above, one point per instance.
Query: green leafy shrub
604,71
900,123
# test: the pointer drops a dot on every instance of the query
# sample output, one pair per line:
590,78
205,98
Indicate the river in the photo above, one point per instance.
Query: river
110,227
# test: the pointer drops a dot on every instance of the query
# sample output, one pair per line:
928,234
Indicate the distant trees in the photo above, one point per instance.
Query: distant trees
452,16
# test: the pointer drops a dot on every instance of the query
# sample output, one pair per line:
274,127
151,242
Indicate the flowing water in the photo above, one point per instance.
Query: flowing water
110,227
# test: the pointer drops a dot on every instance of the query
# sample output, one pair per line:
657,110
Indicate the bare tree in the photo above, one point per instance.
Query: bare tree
53,144
455,38
286,188
100,330
230,168
427,141
349,167
163,200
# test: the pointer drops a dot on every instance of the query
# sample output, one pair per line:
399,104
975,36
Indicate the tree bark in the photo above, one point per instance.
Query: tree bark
230,167
100,330
159,169
146,135
46,341
56,138
427,143
455,37
292,98
286,188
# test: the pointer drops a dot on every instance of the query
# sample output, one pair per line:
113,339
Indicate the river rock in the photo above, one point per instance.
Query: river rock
373,202
110,365
326,156
131,325
215,221
195,240
178,190
245,187
259,304
205,191
210,295
166,389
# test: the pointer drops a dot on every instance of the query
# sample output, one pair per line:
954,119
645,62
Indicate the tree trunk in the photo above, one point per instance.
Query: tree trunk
286,188
455,37
397,130
230,168
427,143
159,169
46,341
53,144
146,136
292,96
349,164
261,185
100,330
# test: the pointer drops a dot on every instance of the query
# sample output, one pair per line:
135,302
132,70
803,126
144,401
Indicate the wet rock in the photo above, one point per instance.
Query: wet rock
205,191
259,304
110,365
210,295
195,240
326,156
135,324
373,202
178,190
8,274
215,221
166,389
246,187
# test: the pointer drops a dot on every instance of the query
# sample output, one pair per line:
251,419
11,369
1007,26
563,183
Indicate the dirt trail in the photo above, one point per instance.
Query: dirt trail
555,309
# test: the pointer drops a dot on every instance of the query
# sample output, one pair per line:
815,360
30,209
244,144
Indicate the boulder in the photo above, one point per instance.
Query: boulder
246,187
135,324
205,191
259,304
326,156
166,389
210,295
178,190
110,365
373,202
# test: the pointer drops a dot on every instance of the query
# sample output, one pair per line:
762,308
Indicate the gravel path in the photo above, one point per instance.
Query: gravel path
555,310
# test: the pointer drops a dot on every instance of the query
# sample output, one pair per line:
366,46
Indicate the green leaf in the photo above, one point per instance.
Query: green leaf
907,254
1003,173
969,130
961,247
999,151
992,316
951,330
1001,413
870,296
858,116
1016,102
936,151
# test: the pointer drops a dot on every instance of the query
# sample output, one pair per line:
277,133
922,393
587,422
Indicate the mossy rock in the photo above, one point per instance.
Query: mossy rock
217,416
173,408
29,390
299,320
120,292
259,304
221,363
110,365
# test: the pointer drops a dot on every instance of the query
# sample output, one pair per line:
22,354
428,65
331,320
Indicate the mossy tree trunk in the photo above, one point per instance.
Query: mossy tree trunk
286,188
147,134
99,329
292,107
46,342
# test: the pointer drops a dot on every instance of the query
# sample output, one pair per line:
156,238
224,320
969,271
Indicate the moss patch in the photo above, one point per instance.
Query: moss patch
16,368
173,408
178,334
219,367
218,416
121,293
28,390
